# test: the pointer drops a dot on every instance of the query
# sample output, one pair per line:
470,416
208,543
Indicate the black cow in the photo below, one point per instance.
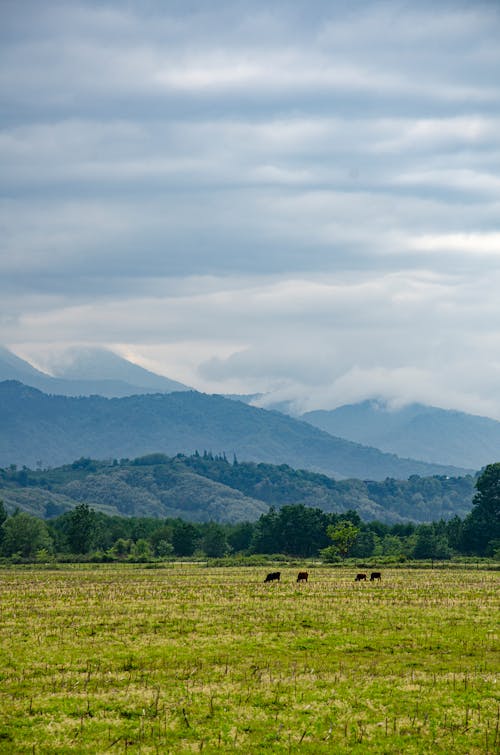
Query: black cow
375,575
273,576
302,576
360,578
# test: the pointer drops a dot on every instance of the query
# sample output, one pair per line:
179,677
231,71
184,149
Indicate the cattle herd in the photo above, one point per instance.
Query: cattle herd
303,576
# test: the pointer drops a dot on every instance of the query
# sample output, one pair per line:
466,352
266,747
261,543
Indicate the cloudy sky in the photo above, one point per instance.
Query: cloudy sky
296,197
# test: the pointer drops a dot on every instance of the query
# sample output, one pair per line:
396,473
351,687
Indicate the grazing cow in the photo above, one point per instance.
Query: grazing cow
273,576
375,575
302,576
360,578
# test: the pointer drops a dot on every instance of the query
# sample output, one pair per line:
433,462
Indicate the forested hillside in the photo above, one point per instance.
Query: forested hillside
206,488
46,430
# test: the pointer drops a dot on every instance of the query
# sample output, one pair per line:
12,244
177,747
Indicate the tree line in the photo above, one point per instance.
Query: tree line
292,530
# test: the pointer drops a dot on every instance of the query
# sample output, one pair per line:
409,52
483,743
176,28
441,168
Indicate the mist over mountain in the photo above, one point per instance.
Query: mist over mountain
51,430
87,372
422,432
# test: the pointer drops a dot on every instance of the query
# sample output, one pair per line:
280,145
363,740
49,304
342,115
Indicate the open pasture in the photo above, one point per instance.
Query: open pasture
122,658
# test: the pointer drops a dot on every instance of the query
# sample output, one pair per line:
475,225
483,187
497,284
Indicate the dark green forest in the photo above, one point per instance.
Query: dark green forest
203,487
294,530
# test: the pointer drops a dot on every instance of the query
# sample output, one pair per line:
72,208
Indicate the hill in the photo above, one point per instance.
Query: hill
421,432
43,430
203,488
88,372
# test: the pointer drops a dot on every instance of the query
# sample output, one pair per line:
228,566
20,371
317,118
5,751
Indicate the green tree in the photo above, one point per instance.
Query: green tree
295,529
3,517
214,542
431,543
364,545
184,538
389,545
266,536
482,526
425,545
343,536
240,536
141,550
121,548
24,535
302,530
81,528
161,541
454,529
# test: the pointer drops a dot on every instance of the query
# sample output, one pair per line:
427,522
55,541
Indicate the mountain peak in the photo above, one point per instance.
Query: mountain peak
85,372
13,367
97,363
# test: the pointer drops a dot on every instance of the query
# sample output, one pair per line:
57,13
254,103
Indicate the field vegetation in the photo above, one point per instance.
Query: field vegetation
190,658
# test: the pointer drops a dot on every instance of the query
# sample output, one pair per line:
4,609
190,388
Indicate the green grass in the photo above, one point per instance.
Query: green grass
121,658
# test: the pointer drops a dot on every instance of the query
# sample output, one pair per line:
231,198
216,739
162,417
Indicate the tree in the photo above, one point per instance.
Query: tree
482,526
295,529
266,535
81,528
214,541
121,548
454,529
184,538
240,536
364,545
302,530
161,541
24,535
389,545
343,536
141,550
3,517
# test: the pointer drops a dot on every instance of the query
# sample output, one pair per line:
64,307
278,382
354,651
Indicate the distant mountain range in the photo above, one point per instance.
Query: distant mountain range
87,372
46,430
418,431
428,434
207,488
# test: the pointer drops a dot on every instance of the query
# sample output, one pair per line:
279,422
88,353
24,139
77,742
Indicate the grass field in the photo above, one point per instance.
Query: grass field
122,658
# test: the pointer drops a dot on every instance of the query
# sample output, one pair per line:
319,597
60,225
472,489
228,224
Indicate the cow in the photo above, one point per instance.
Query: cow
360,578
302,576
273,576
375,575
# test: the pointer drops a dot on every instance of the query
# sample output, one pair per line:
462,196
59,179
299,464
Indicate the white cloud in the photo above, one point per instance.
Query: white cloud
479,244
301,198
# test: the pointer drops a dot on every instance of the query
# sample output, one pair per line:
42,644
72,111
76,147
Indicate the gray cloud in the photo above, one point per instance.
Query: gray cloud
302,197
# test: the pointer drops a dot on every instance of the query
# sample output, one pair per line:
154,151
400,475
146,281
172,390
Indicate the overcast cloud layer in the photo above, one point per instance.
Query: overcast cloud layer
295,197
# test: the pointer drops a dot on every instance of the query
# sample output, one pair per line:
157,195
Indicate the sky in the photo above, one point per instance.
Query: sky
300,199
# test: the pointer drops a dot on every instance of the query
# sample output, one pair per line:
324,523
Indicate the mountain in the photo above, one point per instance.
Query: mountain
421,432
88,372
102,364
38,429
208,488
13,367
